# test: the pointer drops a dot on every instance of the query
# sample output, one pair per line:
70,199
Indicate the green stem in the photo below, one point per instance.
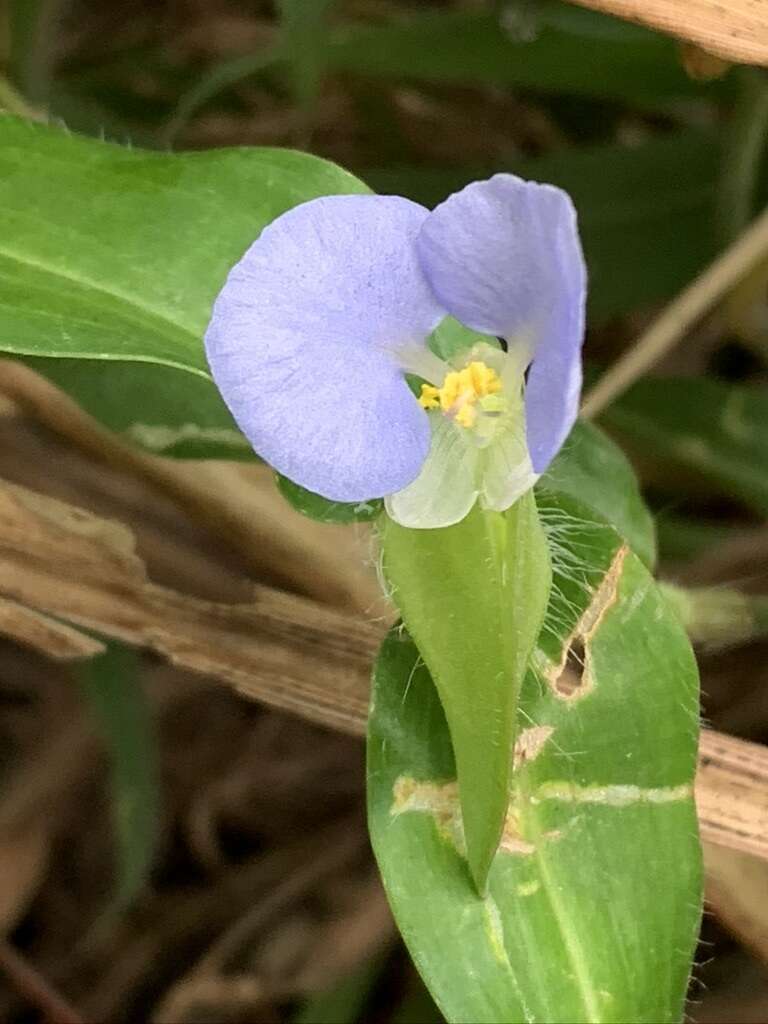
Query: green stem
744,148
13,102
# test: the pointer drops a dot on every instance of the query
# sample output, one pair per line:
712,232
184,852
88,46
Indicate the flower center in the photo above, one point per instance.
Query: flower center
463,391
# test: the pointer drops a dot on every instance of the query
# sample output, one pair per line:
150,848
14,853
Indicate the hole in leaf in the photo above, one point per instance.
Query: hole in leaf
573,676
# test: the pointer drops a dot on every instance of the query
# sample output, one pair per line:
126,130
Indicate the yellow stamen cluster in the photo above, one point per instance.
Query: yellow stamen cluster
460,392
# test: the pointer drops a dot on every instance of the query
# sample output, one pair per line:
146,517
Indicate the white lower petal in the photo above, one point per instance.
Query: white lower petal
421,361
446,488
507,472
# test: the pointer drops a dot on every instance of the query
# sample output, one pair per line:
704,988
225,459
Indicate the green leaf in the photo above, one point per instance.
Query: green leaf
593,902
682,538
112,687
717,431
660,194
565,55
325,511
304,29
473,597
593,469
450,337
560,50
158,408
126,270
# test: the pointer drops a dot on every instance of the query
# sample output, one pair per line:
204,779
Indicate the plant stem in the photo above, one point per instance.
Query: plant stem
744,149
13,102
34,988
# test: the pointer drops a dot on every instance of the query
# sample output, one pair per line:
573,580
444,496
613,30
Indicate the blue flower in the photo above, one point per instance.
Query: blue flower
317,326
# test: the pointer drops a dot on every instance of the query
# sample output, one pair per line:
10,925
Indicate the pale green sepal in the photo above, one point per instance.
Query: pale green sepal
473,597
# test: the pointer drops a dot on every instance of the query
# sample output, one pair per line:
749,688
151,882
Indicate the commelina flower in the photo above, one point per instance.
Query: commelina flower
321,327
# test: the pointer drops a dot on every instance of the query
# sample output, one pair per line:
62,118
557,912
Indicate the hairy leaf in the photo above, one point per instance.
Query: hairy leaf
593,469
594,898
126,269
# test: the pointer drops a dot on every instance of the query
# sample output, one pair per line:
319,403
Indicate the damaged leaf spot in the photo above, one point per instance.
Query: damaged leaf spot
571,678
441,801
494,929
530,743
160,438
611,796
574,675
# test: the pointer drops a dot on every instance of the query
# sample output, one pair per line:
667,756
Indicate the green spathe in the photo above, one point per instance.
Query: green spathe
473,597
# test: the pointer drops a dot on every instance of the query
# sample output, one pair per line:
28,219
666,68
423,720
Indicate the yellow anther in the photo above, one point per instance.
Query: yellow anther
450,392
484,380
466,415
461,391
430,397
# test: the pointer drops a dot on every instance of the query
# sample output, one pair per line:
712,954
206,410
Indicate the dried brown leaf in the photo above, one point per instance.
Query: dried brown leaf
736,30
737,887
44,634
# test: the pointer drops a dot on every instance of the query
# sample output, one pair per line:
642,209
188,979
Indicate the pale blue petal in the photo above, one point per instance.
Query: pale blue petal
301,338
504,257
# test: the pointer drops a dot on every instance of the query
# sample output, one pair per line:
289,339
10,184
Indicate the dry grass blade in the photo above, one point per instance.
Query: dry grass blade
736,887
702,295
732,793
287,651
736,31
45,634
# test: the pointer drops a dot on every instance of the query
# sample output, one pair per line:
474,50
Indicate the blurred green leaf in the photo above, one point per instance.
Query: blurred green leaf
325,511
126,270
470,48
593,469
717,430
683,538
594,899
216,80
303,25
561,51
473,597
646,212
147,406
344,1002
112,686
